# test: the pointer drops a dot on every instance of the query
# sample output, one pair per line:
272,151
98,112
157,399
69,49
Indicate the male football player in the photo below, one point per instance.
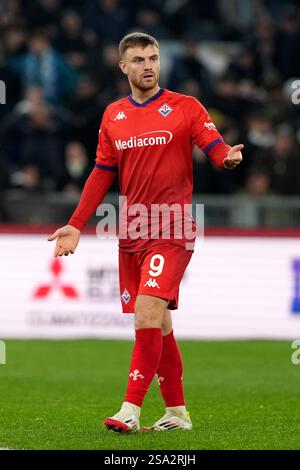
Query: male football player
148,137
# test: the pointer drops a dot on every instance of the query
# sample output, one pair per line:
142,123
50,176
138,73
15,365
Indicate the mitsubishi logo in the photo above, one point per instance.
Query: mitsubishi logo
56,283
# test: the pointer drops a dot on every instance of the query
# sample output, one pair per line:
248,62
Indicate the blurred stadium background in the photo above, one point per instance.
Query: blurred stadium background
58,60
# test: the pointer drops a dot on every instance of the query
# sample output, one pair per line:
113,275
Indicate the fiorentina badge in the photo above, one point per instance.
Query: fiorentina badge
126,296
165,110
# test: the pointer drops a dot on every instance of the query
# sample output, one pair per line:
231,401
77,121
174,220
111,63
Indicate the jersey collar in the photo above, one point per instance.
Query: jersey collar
142,105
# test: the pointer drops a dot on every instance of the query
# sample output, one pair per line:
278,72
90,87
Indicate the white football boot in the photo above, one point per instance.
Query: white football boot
126,420
174,418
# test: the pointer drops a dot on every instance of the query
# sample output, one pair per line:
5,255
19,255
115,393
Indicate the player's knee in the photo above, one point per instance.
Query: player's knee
148,318
149,312
146,321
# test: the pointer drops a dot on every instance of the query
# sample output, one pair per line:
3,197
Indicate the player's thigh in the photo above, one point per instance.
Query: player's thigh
162,270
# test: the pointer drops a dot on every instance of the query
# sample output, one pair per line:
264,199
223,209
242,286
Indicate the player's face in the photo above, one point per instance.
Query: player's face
141,66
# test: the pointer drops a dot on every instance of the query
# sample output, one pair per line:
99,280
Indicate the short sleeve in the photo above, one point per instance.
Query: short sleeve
105,155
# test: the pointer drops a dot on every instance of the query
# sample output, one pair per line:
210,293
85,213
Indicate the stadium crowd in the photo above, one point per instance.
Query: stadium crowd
59,60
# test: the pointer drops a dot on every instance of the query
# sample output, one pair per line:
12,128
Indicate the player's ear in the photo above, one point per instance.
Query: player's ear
123,67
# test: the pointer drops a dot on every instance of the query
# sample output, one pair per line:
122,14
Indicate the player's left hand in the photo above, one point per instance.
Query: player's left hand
234,157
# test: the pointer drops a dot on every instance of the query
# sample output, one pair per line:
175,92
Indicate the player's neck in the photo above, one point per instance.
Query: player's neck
140,96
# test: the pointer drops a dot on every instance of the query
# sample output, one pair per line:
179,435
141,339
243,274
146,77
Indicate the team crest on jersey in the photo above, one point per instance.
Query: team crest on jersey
126,296
165,110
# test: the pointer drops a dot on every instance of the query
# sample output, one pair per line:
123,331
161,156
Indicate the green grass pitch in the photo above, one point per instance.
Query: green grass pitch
241,395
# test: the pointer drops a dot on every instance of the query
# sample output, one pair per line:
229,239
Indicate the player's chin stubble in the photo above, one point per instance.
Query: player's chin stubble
143,85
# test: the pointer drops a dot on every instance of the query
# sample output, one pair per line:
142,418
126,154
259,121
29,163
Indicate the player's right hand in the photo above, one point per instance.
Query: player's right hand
67,239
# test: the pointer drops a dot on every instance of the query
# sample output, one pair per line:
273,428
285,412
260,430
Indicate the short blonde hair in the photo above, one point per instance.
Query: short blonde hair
136,39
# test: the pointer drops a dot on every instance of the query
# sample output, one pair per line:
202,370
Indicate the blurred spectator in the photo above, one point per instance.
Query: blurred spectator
43,66
238,15
260,131
108,18
244,66
258,182
228,99
86,111
194,20
43,14
69,41
191,87
77,168
150,22
14,41
208,179
289,42
70,31
284,162
265,43
10,10
27,178
281,162
34,133
108,72
188,67
258,139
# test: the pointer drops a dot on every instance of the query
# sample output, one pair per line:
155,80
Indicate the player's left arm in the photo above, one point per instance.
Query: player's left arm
205,135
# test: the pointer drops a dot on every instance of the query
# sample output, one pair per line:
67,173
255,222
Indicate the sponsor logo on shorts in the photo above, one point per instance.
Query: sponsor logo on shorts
151,283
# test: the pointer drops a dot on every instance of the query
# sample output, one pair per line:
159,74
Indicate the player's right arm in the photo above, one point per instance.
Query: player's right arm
94,191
